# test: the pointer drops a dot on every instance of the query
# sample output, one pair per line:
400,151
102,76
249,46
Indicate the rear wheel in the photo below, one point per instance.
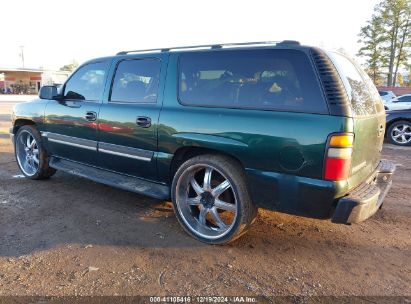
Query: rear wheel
211,200
31,155
399,133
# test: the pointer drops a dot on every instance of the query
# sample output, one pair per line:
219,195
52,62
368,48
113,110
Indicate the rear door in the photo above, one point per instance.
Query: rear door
368,116
128,120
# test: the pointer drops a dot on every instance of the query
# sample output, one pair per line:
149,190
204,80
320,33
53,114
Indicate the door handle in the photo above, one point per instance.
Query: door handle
143,121
91,116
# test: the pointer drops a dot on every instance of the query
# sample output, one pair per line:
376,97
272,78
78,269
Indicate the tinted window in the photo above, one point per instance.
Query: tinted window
360,89
87,83
383,93
259,79
136,81
404,99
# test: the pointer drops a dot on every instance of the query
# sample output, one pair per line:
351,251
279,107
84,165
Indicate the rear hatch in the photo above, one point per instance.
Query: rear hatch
368,118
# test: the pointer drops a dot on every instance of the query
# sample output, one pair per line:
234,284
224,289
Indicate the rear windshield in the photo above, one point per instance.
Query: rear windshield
260,79
383,93
364,96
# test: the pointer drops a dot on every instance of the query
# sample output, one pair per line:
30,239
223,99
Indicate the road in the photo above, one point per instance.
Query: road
71,236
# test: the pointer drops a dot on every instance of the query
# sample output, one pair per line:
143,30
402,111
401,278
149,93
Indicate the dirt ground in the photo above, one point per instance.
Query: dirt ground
71,236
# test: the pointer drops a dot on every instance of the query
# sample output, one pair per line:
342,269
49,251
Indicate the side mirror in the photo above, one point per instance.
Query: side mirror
48,92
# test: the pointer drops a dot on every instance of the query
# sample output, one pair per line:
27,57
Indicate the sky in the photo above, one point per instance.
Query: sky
55,32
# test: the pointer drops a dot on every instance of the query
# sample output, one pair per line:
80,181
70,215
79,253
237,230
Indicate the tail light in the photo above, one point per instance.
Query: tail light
338,157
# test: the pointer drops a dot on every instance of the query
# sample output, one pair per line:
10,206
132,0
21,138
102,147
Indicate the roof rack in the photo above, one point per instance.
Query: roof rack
211,46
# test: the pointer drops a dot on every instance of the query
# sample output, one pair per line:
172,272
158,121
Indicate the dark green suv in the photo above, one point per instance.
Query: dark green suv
219,129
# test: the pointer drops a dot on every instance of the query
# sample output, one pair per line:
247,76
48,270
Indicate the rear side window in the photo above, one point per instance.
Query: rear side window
87,83
404,99
136,81
360,89
260,79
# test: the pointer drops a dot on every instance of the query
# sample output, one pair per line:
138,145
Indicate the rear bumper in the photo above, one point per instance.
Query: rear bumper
367,198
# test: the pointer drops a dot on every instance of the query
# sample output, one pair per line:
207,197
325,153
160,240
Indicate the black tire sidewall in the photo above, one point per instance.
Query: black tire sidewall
42,153
239,189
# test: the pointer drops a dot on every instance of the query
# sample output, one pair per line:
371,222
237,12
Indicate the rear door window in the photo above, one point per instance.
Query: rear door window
404,99
259,79
360,89
136,81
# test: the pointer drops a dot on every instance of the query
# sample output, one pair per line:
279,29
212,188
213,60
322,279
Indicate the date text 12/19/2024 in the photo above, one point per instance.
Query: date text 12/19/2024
203,299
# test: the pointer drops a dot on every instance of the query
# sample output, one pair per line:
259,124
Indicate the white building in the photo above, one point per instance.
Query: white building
28,81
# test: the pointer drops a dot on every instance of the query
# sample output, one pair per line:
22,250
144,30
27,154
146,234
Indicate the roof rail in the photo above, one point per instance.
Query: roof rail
210,46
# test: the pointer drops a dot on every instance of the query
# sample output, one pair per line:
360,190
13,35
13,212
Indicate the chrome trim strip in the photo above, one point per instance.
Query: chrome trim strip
125,155
70,141
72,144
107,148
124,151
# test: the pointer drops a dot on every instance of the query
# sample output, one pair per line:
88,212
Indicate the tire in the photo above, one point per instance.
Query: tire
31,156
211,200
399,133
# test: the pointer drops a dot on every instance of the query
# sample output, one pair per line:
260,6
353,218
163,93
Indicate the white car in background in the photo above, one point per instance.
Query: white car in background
387,95
402,102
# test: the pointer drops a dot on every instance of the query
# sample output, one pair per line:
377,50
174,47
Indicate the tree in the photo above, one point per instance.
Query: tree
400,80
70,67
395,15
371,36
386,38
408,71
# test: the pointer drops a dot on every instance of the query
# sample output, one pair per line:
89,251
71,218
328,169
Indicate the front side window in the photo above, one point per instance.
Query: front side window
136,81
87,83
260,79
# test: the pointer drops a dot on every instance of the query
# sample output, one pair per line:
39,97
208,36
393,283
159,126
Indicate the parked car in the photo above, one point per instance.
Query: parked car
399,127
402,102
221,130
387,95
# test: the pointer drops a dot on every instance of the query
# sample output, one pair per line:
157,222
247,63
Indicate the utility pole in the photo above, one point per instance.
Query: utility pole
22,54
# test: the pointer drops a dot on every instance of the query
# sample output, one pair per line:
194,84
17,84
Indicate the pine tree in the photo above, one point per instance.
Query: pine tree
386,38
371,36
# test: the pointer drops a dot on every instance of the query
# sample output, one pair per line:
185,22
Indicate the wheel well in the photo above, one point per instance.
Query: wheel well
185,153
22,122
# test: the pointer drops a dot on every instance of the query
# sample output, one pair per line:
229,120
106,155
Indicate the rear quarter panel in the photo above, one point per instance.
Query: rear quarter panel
271,146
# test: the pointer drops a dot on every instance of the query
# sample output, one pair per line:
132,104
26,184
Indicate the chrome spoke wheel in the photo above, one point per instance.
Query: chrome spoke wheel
27,152
206,201
401,134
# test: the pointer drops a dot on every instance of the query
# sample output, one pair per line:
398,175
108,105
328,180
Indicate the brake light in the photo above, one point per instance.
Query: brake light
338,157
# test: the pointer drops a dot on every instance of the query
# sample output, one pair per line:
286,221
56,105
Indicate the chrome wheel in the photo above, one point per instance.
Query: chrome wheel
401,134
206,201
27,153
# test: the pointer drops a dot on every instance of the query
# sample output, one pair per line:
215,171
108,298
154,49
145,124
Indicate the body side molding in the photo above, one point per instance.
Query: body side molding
103,147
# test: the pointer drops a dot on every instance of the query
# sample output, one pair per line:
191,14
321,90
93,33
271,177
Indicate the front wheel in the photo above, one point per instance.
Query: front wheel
211,200
31,155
